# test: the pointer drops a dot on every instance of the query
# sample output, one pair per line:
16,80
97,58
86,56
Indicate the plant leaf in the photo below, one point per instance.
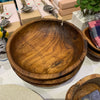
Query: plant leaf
84,1
89,7
78,2
77,5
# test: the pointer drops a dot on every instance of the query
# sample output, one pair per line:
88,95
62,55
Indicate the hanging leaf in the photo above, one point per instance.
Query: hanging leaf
77,5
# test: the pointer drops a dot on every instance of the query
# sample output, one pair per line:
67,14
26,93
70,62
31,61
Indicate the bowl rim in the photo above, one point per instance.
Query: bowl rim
76,86
45,76
91,44
93,53
46,83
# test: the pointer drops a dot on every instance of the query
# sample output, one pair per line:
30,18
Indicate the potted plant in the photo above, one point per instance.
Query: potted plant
88,9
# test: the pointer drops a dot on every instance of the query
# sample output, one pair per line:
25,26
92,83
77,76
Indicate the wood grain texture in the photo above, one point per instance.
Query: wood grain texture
85,90
51,82
83,87
48,83
43,49
86,33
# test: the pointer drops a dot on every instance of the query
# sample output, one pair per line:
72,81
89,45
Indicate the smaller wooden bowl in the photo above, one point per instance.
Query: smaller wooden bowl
93,55
84,87
88,38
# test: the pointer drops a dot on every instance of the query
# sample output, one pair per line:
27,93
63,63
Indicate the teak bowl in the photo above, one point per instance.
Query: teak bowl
93,52
89,40
48,83
43,49
84,87
93,55
51,82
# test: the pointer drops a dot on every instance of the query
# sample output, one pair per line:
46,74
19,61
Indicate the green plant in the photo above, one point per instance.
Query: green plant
89,7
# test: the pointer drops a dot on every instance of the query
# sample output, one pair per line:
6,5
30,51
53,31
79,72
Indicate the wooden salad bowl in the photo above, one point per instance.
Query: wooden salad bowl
89,40
49,83
43,49
52,82
93,55
84,87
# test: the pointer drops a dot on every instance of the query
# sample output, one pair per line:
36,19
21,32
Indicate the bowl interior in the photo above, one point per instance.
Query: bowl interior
85,89
46,47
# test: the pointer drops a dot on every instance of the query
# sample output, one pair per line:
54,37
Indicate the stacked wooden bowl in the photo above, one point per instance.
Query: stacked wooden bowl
93,51
84,87
45,53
